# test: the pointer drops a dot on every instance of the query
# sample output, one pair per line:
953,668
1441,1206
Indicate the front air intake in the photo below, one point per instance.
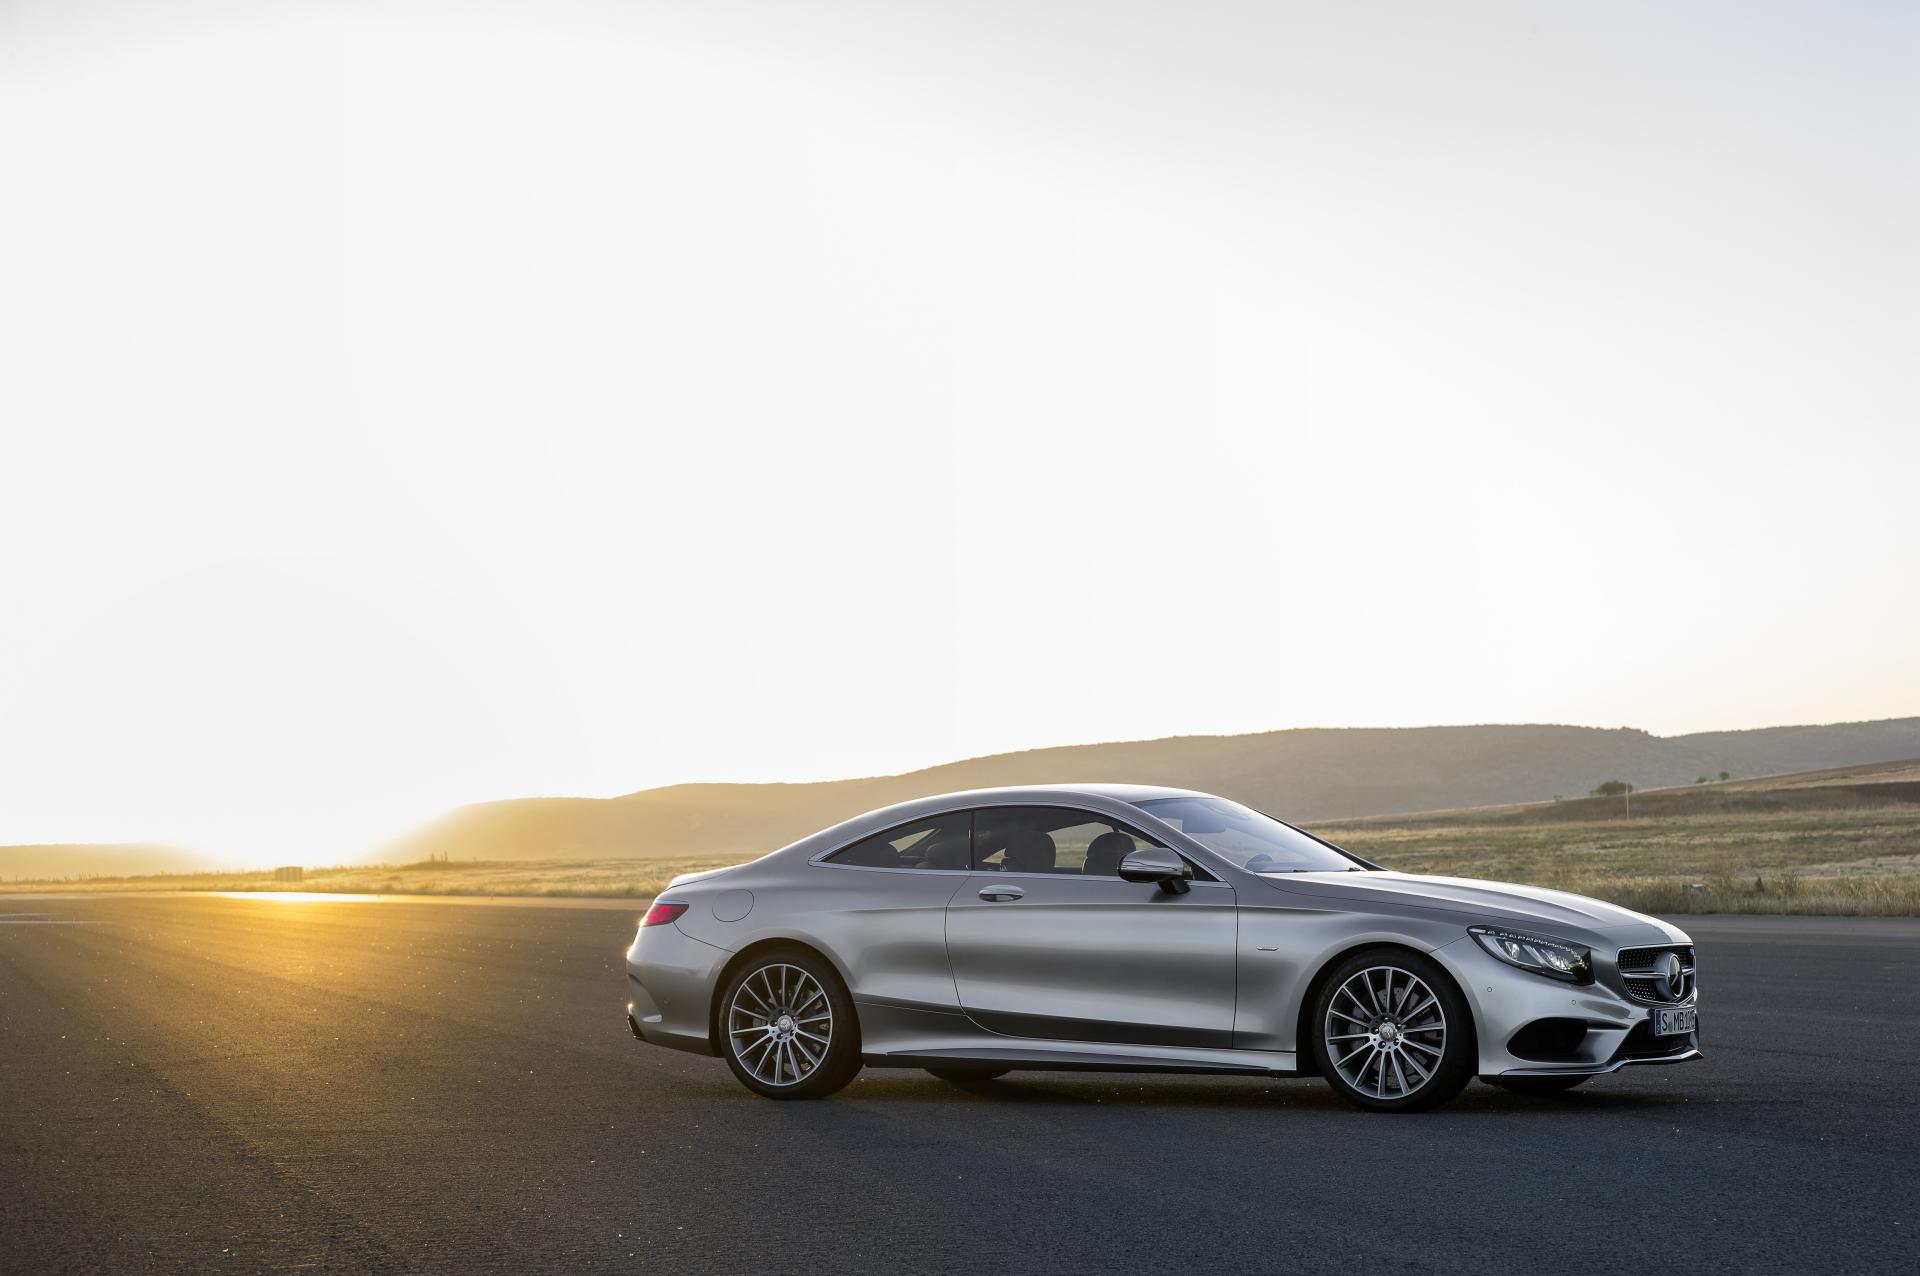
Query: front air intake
1548,1040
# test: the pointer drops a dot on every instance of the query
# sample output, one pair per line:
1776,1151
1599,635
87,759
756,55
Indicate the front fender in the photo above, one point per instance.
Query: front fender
1283,951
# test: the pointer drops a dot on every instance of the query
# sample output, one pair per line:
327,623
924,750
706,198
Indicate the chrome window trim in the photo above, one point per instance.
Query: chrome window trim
818,862
1083,877
999,873
824,858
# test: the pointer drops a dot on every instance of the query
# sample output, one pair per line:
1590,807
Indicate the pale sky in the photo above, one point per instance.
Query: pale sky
408,404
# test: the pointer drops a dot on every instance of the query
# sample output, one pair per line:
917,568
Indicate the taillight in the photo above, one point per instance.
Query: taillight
662,912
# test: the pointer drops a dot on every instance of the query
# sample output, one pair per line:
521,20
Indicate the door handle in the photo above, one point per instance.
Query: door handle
1001,893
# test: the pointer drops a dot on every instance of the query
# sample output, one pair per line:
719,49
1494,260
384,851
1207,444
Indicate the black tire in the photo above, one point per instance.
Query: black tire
965,1076
1448,1020
1538,1085
765,978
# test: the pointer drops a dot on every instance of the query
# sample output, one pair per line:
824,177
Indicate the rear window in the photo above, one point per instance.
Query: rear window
939,842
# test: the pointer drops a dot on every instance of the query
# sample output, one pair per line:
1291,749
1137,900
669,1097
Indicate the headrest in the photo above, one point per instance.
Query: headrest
1029,851
1105,852
946,854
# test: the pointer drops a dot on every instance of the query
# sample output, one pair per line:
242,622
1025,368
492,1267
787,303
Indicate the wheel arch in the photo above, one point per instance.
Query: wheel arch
1306,1056
747,955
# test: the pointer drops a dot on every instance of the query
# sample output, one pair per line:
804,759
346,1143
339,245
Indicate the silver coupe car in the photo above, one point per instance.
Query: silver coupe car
1124,928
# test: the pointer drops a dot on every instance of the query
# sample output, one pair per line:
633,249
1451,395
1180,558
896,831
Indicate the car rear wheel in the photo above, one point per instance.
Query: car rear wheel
789,1026
1539,1085
963,1076
1392,1033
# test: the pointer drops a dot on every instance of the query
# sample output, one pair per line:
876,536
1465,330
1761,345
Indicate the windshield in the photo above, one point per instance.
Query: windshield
1258,843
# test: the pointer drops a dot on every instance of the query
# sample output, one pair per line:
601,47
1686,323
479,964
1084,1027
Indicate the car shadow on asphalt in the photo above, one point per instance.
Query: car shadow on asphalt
1072,1090
1305,1094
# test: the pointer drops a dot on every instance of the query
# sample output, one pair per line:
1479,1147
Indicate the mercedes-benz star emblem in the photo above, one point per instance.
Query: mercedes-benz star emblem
1667,969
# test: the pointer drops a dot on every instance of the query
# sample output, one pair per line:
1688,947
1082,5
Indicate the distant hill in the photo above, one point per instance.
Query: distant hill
1303,775
1877,785
53,861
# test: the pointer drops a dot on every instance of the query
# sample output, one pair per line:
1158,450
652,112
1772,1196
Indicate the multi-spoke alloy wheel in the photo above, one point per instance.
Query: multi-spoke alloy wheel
1393,1032
789,1030
781,1024
1386,1031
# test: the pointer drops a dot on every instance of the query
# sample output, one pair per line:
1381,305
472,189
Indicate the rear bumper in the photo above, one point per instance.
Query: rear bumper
670,986
649,1025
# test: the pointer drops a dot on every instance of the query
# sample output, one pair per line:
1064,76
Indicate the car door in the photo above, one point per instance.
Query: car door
883,910
1047,942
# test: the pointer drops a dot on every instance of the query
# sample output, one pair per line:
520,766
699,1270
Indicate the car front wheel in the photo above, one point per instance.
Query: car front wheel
789,1026
1392,1033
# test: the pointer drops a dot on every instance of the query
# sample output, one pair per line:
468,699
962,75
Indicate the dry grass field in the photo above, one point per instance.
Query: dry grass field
1845,841
1861,861
1841,841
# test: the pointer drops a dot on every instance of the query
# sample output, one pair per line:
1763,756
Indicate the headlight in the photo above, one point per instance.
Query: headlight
1547,957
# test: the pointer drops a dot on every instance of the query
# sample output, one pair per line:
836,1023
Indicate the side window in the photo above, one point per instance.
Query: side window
939,842
1051,839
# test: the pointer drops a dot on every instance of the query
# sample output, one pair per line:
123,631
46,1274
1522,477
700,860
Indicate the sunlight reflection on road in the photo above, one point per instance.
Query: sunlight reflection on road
299,897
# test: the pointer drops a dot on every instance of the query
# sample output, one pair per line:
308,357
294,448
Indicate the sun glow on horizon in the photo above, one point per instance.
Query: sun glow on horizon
302,897
414,406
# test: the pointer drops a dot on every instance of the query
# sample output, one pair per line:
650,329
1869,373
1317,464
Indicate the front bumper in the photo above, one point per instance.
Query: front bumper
1525,1022
1544,1070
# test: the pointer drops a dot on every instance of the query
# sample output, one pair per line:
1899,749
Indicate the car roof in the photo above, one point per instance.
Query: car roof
1119,792
887,817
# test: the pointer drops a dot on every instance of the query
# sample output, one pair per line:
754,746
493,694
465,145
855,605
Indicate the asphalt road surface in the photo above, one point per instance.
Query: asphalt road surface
258,1085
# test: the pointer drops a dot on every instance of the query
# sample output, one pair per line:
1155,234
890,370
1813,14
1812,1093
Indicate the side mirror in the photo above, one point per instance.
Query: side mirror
1156,864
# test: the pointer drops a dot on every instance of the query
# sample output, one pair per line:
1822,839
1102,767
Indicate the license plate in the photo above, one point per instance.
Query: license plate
1672,1023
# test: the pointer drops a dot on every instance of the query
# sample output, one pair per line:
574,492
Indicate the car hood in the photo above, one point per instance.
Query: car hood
1548,910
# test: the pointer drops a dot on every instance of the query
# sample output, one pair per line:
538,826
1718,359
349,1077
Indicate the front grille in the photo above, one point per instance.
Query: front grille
1642,984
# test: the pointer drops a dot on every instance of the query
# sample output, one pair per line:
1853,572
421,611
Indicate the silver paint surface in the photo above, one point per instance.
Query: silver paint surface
1077,971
